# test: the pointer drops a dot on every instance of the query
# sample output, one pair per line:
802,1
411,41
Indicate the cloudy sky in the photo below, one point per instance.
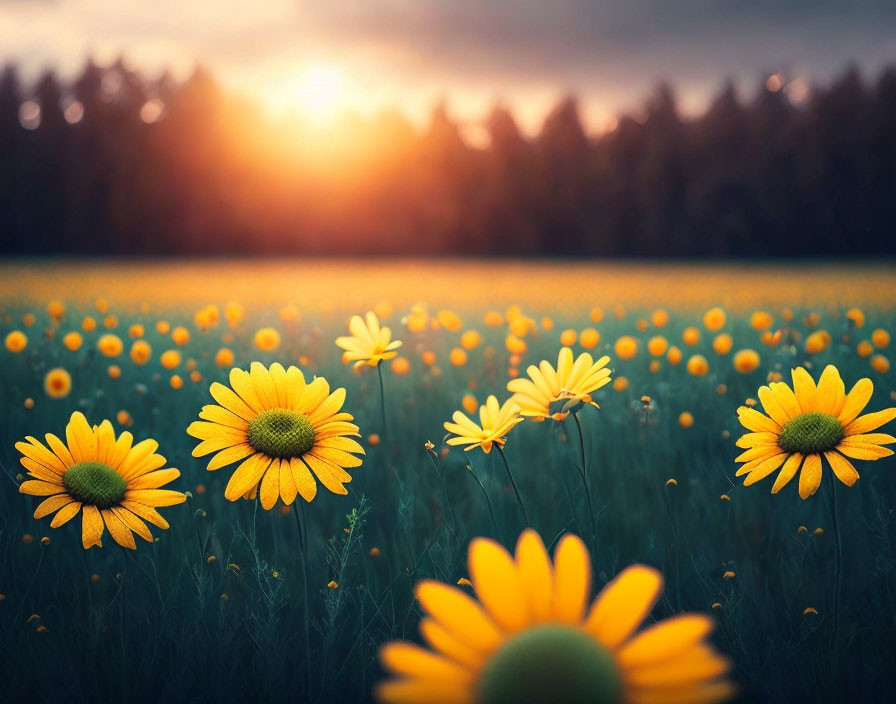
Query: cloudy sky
324,56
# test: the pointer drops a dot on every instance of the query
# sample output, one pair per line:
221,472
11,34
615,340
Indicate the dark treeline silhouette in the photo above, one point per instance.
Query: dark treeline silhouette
114,164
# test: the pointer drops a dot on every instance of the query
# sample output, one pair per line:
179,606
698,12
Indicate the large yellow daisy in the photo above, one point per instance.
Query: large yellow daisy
532,637
807,423
550,393
283,431
496,421
111,482
369,343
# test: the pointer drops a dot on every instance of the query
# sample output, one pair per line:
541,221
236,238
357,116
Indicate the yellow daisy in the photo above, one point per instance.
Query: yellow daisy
369,343
283,431
496,421
532,637
553,394
808,422
113,483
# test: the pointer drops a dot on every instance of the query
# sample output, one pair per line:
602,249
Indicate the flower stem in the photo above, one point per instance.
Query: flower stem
488,501
435,464
513,484
584,473
379,369
838,570
196,526
303,545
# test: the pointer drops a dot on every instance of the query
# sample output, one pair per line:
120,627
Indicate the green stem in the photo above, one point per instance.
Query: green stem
435,464
838,568
513,484
584,473
488,501
379,369
303,546
196,527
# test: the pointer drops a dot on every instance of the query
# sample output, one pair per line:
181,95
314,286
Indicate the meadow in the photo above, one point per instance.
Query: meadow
233,601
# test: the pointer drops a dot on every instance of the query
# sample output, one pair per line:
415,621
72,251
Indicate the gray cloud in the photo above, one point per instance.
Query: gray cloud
611,51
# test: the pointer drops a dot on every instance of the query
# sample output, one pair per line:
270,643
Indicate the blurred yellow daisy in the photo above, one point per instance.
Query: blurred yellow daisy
369,343
114,484
496,421
532,637
282,430
807,422
553,394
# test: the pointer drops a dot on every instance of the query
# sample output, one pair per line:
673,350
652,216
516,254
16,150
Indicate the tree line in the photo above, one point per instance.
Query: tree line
113,164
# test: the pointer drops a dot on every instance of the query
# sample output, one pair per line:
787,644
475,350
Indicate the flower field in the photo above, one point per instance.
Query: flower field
497,477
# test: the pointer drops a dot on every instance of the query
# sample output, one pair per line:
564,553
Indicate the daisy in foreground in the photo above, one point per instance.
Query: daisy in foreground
550,393
532,637
496,421
114,484
282,430
369,343
808,422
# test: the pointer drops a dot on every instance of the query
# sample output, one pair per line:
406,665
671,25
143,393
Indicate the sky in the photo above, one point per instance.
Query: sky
323,57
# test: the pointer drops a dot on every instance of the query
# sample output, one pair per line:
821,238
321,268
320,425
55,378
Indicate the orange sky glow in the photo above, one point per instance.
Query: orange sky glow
321,60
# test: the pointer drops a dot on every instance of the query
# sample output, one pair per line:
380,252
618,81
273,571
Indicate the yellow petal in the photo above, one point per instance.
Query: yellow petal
231,401
623,604
132,522
418,691
147,513
154,480
120,533
460,615
856,400
764,468
242,384
831,391
448,645
534,568
270,486
37,487
664,639
788,472
229,455
804,389
413,661
246,476
810,476
155,497
51,505
65,514
498,584
772,406
263,385
753,420
870,421
81,438
572,578
301,476
287,484
842,467
91,527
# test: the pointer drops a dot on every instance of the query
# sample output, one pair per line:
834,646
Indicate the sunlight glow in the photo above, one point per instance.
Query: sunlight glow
320,92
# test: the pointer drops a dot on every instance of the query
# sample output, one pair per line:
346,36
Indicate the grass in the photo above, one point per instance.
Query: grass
170,622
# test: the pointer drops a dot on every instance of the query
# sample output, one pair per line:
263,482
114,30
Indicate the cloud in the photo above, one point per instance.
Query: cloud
411,51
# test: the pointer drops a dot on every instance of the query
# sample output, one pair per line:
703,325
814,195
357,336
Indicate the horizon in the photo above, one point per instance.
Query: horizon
472,129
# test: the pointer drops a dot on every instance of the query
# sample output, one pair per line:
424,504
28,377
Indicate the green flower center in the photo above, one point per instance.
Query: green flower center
94,484
557,664
281,433
811,433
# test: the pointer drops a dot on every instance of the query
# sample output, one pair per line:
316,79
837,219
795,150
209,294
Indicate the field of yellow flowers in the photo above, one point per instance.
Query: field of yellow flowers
447,482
